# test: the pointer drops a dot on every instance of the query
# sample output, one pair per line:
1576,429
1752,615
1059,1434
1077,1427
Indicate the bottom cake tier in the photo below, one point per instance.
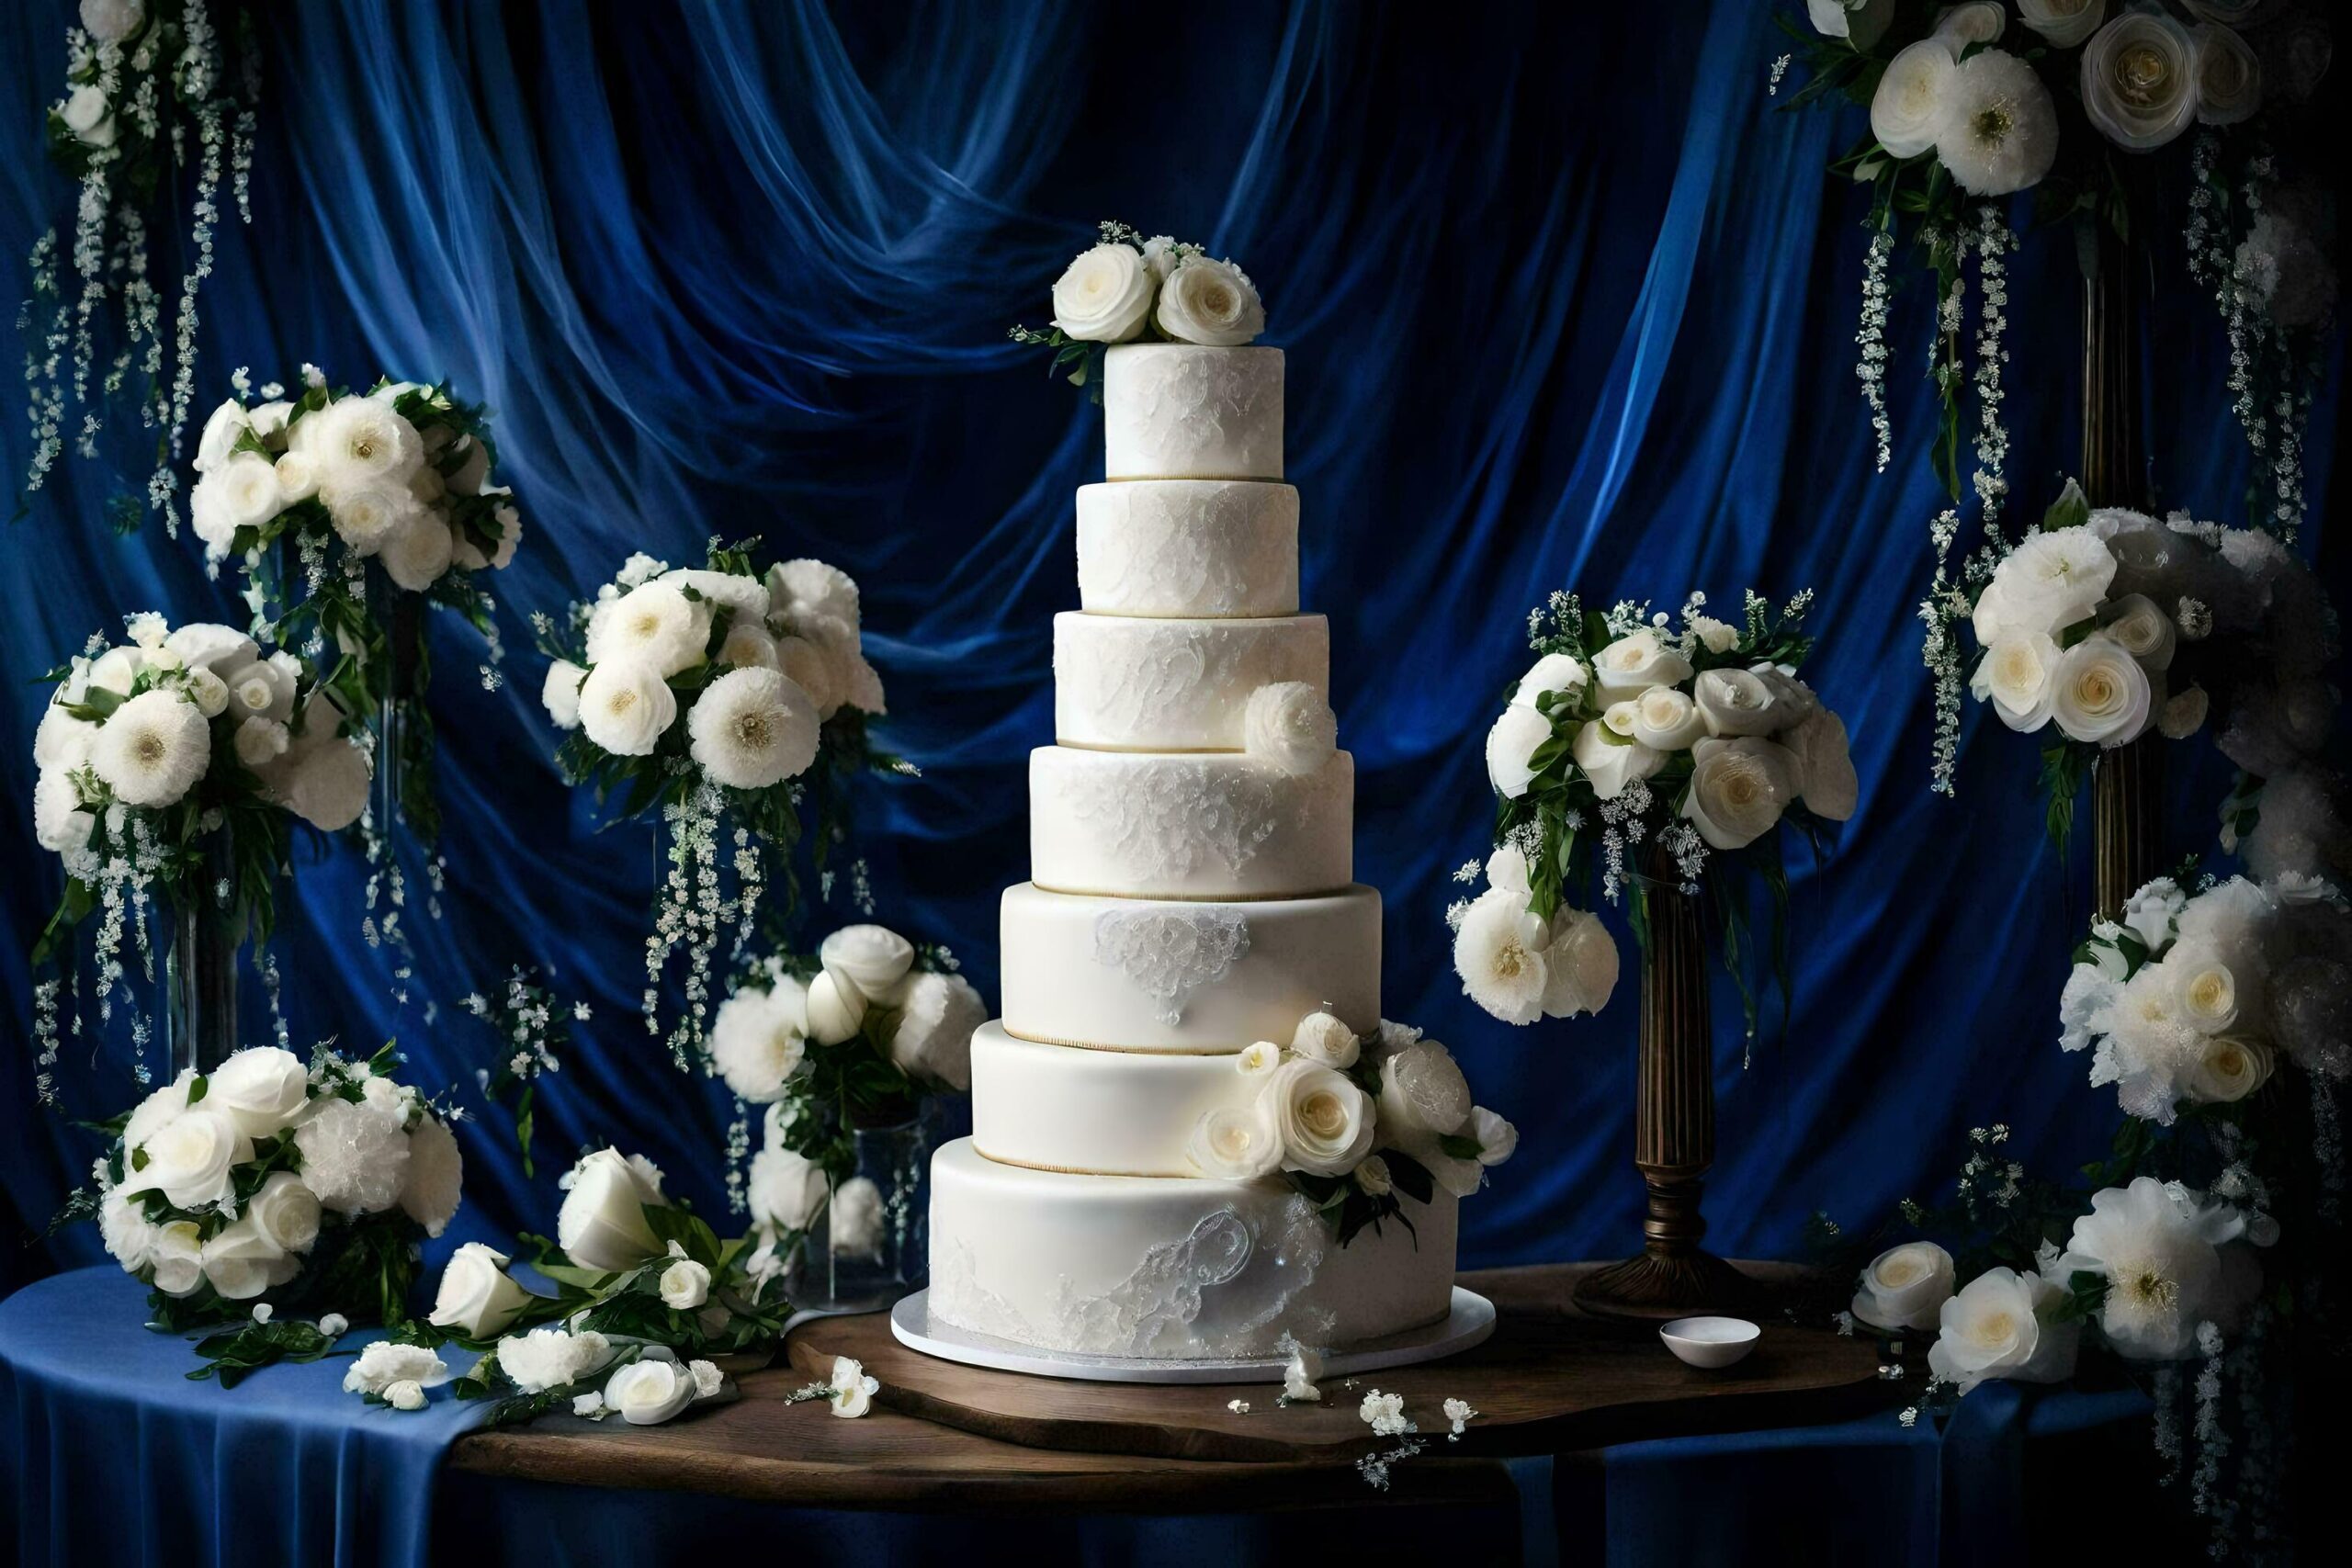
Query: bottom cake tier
1168,1268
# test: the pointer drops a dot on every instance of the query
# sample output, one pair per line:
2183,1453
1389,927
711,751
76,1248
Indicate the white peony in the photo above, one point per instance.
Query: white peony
437,1175
1210,302
1667,719
2064,23
2229,75
551,1357
560,693
263,1089
1323,1038
801,589
785,1189
1499,953
626,706
1612,762
1325,1121
1289,728
931,1041
1557,674
752,728
1237,1143
383,1363
2003,1325
1735,701
241,492
875,959
360,445
760,1040
2018,673
2100,694
152,750
1635,662
354,1157
1423,1097
1580,964
1999,134
417,555
1825,779
652,625
1511,749
60,821
2158,1246
477,1299
114,21
2140,80
1904,1287
1913,96
241,1261
1104,295
602,1224
190,1159
650,1391
1738,790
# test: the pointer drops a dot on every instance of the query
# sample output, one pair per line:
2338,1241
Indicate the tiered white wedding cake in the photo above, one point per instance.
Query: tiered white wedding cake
1151,1174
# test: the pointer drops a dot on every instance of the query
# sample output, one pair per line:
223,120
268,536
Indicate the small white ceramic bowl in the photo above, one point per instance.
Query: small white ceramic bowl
1710,1342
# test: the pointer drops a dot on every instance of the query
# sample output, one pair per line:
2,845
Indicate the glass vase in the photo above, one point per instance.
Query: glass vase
201,970
869,1246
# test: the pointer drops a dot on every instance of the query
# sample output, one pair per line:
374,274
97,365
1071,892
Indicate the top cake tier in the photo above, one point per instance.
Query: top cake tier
1174,411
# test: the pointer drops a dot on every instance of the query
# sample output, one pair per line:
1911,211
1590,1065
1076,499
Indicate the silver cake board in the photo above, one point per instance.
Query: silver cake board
1470,1321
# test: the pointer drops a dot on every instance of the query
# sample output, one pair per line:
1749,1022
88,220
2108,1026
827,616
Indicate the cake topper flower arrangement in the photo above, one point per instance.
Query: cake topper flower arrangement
735,702
1632,753
1127,288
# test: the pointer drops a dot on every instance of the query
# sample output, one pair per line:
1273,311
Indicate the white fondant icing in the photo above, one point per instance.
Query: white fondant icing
1210,825
1188,548
1113,1112
1175,685
1175,411
1145,1265
1140,975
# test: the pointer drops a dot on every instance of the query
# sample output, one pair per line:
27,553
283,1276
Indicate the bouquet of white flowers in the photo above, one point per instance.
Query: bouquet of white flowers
1627,738
2196,999
712,692
1127,287
271,1177
350,512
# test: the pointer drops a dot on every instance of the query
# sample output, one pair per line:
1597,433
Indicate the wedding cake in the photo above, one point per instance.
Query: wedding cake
1191,1127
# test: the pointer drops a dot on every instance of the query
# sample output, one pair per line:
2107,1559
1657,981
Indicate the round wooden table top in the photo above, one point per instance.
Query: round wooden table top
948,1436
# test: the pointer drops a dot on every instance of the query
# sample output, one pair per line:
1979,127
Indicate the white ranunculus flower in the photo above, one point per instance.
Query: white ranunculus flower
2140,80
1211,302
931,1041
2100,694
803,588
2229,75
1323,1038
477,1299
551,1357
814,670
1611,762
1499,953
437,1175
648,1392
1511,745
749,645
744,599
1825,779
1734,702
625,706
1237,1143
836,1011
207,692
207,645
152,750
1289,728
191,1158
2146,633
1908,109
1667,719
1739,789
759,1039
1555,672
383,1363
2003,1325
685,1285
783,1189
176,1258
2000,131
263,688
63,741
113,21
1635,662
2183,714
1973,21
241,1261
602,1224
651,624
367,517
1904,1287
2018,674
752,728
2063,23
2228,1069
1325,1121
1580,964
560,693
417,555
2158,1246
405,1395
1104,295
1497,1139
1423,1097
2204,988
875,959
1860,22
60,821
297,476
359,444
263,1089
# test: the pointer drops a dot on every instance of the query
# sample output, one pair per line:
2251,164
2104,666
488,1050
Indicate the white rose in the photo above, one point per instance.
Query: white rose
417,555
1913,98
933,1039
1735,701
685,1285
1860,22
653,625
207,692
2140,80
241,1261
1556,673
626,706
286,1213
2100,692
263,688
1324,1120
176,1258
2002,1326
1612,762
191,1160
1289,728
222,429
1237,1143
113,21
63,741
1973,21
875,959
836,1010
759,1039
1738,790
1323,1038
2204,988
1104,295
1423,1097
649,1392
88,116
1904,1287
1497,1139
1373,1178
2146,633
853,1390
2229,75
2018,674
1634,663
785,1189
383,1363
2229,1068
1825,779
1510,747
548,1358
1580,964
2064,23
1259,1056
298,477
1666,718
560,693
477,1299
263,1089
1207,302
602,1224
152,1114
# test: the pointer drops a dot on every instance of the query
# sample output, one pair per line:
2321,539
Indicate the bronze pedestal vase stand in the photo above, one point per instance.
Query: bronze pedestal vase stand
1674,1132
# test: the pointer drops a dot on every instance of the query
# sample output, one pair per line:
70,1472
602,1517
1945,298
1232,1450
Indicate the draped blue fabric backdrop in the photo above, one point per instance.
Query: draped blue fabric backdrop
1566,304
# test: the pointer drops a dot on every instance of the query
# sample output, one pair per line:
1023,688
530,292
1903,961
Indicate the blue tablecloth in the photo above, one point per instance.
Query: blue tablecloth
109,1455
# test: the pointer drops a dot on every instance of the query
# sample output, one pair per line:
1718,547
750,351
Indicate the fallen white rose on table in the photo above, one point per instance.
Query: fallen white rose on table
1904,1287
2002,1326
477,1299
602,1224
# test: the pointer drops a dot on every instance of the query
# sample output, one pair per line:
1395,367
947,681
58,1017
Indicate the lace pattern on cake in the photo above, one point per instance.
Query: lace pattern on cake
1233,1287
1176,683
1204,550
1167,822
1219,414
1171,955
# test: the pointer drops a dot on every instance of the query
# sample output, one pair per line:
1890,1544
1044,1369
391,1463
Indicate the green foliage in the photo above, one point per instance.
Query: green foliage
235,1355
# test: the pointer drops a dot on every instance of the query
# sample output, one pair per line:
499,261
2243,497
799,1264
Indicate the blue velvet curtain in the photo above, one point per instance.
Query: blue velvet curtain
1566,302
